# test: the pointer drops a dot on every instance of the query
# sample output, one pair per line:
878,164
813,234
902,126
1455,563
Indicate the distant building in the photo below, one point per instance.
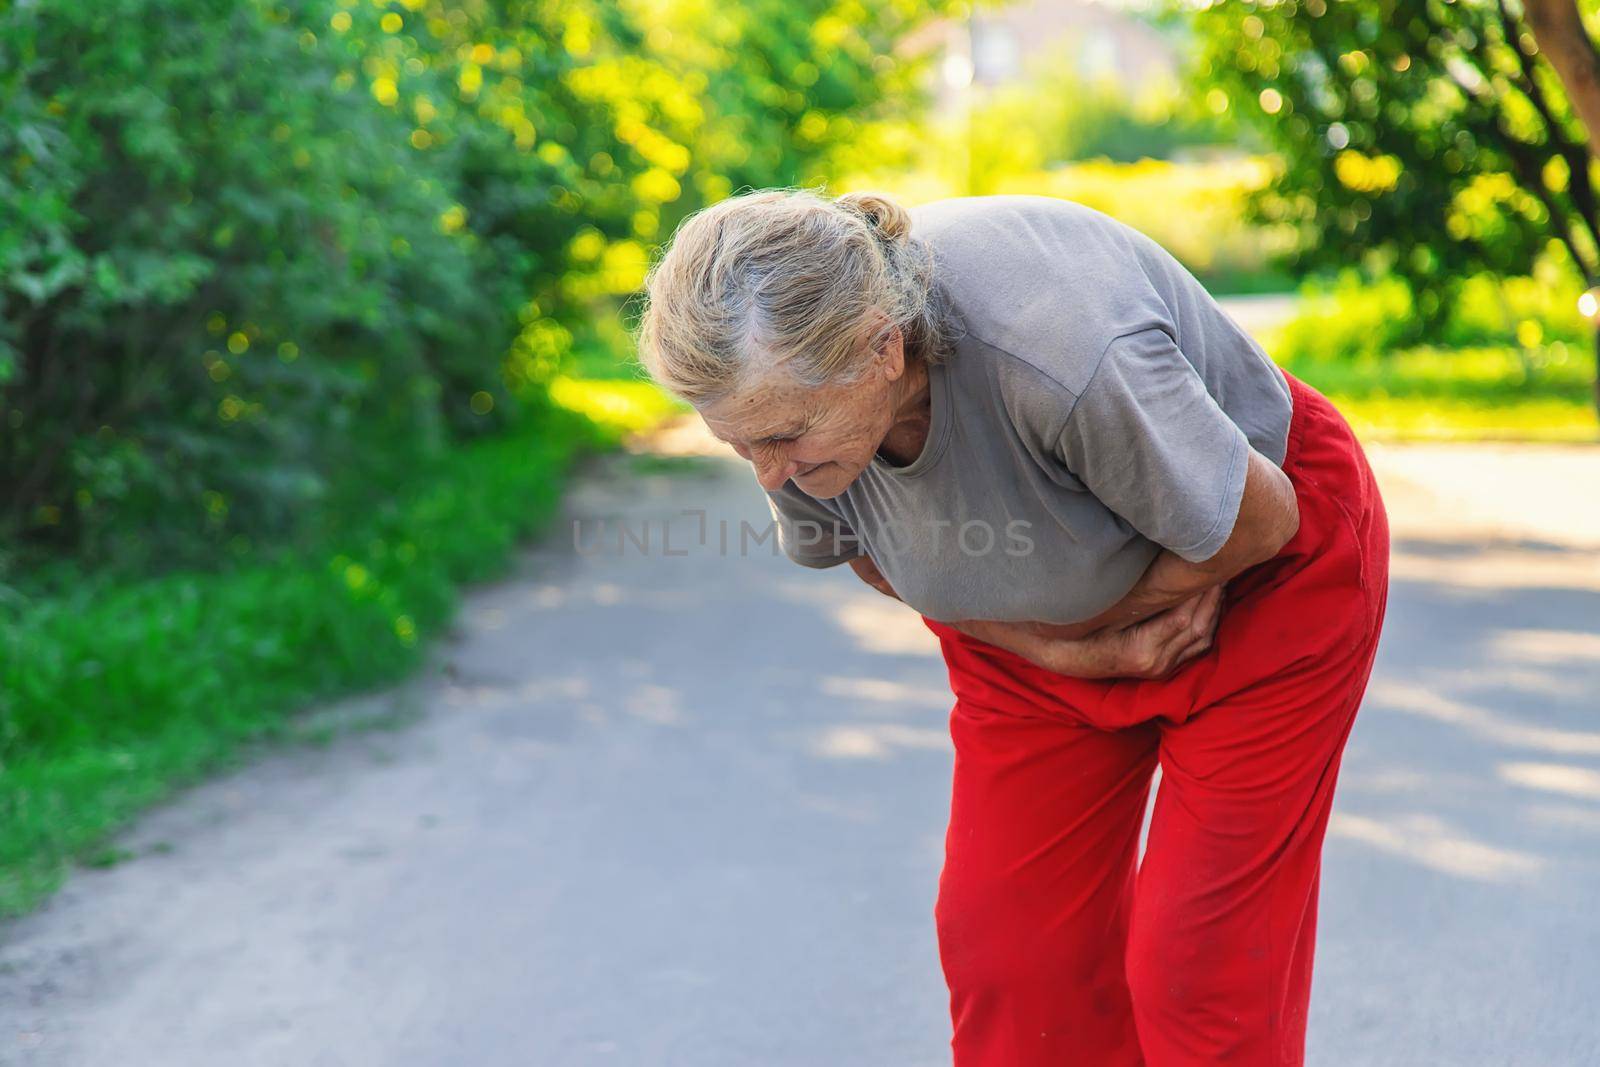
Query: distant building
996,46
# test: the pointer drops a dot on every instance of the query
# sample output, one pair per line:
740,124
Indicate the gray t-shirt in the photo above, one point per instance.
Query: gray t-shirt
1097,408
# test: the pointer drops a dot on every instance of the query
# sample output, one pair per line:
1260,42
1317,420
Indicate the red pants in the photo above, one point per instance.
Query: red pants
1060,948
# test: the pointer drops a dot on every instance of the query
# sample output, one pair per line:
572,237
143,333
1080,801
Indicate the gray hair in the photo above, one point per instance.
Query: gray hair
788,277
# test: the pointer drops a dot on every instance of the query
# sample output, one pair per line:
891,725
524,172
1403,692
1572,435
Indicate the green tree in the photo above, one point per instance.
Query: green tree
251,249
216,261
1424,138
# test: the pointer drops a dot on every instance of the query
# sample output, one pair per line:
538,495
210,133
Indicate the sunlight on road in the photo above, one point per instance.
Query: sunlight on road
1554,778
1488,725
877,741
1430,842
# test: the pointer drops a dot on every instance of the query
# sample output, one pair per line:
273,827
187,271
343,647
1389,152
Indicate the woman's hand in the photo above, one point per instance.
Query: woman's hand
868,572
1152,649
1136,607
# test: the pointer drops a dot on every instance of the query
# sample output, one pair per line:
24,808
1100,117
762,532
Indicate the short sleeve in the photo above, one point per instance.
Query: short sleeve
808,532
1147,438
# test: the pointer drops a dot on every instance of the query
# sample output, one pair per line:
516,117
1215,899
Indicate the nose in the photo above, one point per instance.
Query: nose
773,471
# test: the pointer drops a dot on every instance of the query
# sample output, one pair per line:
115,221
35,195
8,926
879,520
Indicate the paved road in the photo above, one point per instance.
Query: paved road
688,810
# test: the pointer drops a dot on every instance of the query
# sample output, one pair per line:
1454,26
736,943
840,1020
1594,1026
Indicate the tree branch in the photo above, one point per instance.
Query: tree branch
1558,28
1576,153
1528,169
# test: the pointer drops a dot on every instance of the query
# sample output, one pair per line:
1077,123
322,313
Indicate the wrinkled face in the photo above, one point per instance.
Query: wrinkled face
822,437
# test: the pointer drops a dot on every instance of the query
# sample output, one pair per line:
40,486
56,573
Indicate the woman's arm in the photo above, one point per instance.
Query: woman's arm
1152,648
868,572
1269,516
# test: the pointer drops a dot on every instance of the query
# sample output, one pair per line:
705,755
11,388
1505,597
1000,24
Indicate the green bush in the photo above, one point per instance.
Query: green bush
1510,359
1528,311
247,245
207,242
1351,318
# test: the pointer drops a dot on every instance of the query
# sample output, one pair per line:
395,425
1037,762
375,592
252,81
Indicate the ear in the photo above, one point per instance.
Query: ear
892,352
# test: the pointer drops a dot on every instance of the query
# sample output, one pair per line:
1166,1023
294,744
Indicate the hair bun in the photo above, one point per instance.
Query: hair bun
892,221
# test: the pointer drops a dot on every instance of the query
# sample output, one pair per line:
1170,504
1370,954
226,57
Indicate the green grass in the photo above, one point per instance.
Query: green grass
114,695
1469,394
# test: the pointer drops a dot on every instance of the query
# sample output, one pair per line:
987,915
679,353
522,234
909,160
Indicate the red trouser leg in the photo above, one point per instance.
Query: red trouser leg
1220,951
1037,889
1055,952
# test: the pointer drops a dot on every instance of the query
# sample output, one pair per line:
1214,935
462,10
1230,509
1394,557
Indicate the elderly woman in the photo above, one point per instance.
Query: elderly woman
1138,541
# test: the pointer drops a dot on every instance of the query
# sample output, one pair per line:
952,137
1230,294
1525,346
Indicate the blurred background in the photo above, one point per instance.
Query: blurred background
312,312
